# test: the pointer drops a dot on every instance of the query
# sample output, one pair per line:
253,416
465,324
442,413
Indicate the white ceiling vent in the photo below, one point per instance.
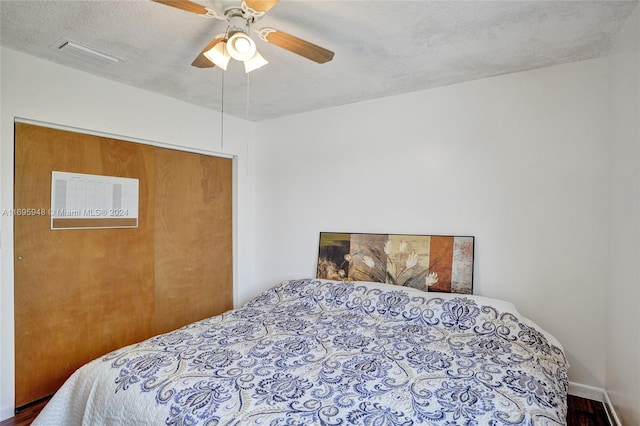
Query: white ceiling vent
91,55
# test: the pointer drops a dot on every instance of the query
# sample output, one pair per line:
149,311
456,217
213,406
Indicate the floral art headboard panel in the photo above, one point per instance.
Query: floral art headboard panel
427,262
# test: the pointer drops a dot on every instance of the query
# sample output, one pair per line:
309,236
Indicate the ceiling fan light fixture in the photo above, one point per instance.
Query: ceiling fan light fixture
254,63
218,55
241,47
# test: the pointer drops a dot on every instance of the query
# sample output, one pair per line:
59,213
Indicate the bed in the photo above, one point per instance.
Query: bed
322,352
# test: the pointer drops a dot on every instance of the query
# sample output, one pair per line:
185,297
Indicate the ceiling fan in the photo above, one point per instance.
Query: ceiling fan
237,44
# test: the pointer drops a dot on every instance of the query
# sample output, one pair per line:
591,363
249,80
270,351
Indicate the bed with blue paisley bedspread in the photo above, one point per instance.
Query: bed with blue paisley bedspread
318,352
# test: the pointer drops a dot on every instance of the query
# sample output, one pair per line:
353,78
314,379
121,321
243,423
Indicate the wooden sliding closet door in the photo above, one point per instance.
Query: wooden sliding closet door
78,293
193,239
84,292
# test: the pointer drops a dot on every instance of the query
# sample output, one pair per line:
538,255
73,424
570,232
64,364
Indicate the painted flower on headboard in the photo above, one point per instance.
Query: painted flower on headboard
431,279
328,269
393,265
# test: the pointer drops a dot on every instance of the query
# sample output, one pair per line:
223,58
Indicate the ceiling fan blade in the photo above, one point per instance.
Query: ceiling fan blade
261,5
201,61
185,5
296,45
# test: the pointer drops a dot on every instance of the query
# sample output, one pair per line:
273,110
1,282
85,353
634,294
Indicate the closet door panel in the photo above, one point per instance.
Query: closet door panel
193,238
84,292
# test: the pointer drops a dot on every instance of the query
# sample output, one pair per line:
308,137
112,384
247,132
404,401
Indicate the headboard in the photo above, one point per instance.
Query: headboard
428,262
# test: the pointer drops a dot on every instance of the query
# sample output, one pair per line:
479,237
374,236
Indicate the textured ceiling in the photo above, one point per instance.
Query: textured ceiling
382,48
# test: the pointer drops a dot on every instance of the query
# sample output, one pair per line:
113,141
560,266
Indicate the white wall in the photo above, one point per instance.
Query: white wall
623,289
42,91
519,161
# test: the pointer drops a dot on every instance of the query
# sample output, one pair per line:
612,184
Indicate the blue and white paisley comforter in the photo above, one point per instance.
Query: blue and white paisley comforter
315,352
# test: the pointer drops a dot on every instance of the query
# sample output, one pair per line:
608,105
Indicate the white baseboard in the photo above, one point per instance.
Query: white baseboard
595,394
584,391
611,412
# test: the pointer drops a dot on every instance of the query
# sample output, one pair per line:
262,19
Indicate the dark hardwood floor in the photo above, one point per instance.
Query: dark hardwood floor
585,412
581,412
25,416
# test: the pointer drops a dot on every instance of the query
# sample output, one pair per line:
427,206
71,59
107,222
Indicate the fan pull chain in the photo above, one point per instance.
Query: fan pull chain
222,113
247,100
247,117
